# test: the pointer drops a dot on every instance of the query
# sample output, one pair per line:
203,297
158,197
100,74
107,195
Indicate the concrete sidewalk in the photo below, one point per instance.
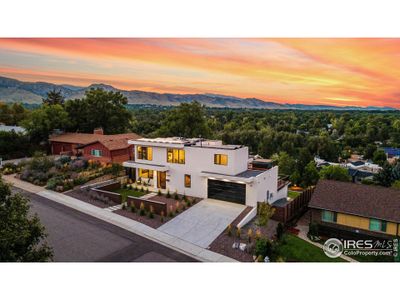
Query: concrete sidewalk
138,228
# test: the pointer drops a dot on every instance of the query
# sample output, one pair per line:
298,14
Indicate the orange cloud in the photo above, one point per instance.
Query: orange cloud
312,71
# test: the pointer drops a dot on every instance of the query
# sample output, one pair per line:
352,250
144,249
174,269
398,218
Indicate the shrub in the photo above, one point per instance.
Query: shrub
229,230
78,164
168,194
40,163
313,229
258,234
279,231
9,168
171,212
176,196
142,210
238,232
184,197
124,206
142,189
159,193
64,159
177,207
162,216
250,235
151,212
133,207
263,247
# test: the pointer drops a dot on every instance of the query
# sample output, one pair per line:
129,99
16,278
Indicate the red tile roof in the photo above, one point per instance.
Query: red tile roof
357,199
112,142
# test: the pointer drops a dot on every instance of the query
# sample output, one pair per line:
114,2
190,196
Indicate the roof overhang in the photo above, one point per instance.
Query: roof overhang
225,177
133,164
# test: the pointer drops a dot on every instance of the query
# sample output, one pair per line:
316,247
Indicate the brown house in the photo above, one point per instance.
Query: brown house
349,210
96,146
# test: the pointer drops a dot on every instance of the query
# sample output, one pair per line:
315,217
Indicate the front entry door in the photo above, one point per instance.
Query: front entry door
161,180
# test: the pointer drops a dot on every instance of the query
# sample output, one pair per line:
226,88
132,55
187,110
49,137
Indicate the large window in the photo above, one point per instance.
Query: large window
176,156
145,173
145,153
97,153
188,181
221,159
377,225
329,216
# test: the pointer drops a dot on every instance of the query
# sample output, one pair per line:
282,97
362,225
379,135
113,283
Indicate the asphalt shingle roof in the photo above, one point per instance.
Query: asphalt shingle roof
357,199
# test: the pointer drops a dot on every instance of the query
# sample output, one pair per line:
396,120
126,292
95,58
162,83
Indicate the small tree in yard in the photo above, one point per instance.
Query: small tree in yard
250,235
21,235
265,212
142,210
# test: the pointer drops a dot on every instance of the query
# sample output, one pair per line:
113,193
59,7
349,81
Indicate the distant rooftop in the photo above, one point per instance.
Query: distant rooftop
17,129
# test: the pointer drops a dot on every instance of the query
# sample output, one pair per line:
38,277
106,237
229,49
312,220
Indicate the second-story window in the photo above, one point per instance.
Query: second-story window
145,153
176,156
221,159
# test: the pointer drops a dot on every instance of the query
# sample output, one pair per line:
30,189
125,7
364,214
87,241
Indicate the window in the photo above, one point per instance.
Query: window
145,173
221,159
145,153
377,225
188,181
95,152
176,156
329,216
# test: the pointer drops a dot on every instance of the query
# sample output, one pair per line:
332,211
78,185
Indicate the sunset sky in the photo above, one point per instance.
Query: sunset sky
340,72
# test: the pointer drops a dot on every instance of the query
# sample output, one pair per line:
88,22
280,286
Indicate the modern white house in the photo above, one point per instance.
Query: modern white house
203,168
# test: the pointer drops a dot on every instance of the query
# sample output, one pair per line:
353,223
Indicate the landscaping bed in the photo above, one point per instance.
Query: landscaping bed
150,218
223,243
64,173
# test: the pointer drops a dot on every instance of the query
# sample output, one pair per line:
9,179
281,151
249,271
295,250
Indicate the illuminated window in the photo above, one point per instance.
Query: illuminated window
97,153
221,159
145,173
176,156
145,153
377,225
329,216
188,181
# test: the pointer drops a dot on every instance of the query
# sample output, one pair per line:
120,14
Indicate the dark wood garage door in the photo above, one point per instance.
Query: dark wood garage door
227,191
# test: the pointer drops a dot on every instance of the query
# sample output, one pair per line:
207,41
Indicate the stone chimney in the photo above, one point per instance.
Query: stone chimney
98,131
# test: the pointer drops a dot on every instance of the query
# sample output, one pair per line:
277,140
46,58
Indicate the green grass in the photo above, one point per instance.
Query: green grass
293,194
294,249
125,193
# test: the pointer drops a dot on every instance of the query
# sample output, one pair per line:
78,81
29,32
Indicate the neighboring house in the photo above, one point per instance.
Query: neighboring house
391,152
348,210
96,146
203,168
16,129
359,175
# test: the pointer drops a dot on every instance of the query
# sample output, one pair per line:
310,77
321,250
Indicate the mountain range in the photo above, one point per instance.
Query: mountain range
12,90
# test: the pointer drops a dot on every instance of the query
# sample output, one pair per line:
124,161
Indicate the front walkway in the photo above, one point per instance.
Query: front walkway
204,222
155,235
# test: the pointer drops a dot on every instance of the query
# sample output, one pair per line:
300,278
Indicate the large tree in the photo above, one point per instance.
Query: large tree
21,234
42,121
335,173
186,120
54,97
310,174
99,108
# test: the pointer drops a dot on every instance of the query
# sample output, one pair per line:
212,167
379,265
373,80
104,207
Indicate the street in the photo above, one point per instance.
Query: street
77,237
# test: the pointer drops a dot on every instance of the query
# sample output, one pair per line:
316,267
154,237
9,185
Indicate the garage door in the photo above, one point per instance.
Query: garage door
227,191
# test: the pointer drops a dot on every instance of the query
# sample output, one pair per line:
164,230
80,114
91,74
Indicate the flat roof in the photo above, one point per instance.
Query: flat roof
187,142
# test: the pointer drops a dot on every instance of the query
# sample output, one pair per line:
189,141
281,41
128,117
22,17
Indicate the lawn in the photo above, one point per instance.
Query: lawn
294,249
125,193
293,194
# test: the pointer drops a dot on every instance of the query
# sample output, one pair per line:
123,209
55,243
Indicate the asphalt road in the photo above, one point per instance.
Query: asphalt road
77,237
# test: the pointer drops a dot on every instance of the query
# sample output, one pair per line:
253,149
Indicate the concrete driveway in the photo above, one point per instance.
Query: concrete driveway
204,222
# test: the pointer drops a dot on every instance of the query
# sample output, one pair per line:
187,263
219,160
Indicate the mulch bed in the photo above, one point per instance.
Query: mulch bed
172,201
156,221
223,243
83,196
